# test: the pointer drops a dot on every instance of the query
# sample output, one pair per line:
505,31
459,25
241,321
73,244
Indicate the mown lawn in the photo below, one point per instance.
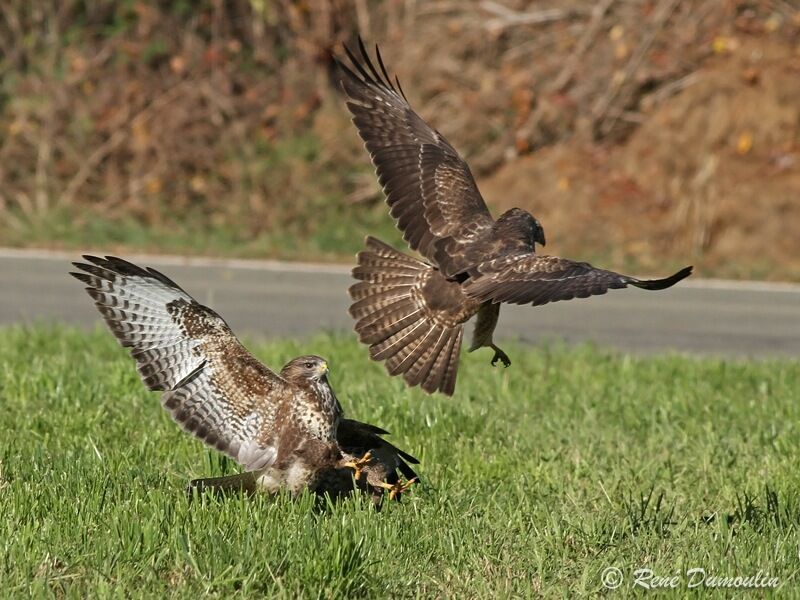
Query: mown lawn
536,478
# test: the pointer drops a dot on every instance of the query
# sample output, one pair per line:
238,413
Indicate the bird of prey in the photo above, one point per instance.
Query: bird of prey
411,312
286,429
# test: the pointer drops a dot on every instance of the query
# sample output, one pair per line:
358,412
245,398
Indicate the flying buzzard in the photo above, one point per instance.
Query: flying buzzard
286,429
410,312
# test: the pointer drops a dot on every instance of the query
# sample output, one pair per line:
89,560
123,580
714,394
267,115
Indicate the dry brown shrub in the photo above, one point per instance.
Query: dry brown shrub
226,113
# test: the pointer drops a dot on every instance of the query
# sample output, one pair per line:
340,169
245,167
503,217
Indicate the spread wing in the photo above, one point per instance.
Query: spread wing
537,280
430,190
213,387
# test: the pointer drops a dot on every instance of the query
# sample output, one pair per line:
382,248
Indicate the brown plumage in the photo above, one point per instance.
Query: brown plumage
287,430
410,312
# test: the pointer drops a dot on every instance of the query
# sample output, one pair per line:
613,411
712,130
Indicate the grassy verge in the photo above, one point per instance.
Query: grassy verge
537,478
333,234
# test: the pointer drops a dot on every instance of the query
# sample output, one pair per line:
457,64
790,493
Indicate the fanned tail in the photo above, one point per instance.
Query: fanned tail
392,318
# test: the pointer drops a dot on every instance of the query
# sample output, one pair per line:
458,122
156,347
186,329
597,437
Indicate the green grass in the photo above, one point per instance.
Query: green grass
281,200
334,234
536,478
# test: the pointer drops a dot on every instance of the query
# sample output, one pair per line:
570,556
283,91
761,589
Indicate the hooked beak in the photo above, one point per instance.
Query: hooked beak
322,370
540,237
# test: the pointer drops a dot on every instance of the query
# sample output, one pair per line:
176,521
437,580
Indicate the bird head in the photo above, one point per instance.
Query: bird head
520,224
308,368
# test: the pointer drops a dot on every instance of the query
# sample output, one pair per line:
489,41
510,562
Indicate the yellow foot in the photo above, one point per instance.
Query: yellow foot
359,464
397,488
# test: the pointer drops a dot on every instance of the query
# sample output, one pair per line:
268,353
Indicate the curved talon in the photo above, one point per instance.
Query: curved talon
359,464
501,356
397,488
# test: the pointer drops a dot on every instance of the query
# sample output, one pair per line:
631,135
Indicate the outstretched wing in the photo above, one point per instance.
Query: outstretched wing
430,190
537,280
213,387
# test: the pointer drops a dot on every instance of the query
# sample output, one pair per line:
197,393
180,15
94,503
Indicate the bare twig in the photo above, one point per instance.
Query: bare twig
568,71
409,14
673,87
8,217
443,7
44,157
602,108
44,154
787,9
506,17
94,63
363,195
116,138
362,16
9,48
218,101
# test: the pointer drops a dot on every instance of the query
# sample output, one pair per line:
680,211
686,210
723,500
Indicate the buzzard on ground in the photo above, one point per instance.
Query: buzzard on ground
286,429
410,312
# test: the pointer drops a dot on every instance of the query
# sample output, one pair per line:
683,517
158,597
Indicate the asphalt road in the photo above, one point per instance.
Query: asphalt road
269,299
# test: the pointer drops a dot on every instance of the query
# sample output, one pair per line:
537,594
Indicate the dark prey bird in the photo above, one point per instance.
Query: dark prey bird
285,428
410,312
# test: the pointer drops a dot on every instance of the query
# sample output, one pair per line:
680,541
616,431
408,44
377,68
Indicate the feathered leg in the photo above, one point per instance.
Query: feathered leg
488,314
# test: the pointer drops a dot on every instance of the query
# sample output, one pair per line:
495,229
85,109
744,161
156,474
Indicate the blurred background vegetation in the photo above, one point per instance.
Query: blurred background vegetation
643,134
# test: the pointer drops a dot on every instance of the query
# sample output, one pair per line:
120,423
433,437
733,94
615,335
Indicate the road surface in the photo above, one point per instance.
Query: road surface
271,299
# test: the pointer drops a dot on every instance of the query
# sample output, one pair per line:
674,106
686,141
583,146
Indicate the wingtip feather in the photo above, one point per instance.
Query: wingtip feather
666,282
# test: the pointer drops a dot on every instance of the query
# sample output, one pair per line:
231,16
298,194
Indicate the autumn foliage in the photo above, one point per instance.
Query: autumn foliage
638,132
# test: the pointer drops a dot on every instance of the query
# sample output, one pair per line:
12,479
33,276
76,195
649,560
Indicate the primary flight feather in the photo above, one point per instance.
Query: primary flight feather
411,312
286,429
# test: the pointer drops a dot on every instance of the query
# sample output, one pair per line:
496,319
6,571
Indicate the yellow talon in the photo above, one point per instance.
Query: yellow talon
358,465
397,488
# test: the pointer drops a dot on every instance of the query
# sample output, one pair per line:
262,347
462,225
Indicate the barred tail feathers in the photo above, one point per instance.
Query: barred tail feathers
394,321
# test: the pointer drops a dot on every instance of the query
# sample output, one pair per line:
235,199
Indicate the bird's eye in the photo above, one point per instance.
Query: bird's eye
309,365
